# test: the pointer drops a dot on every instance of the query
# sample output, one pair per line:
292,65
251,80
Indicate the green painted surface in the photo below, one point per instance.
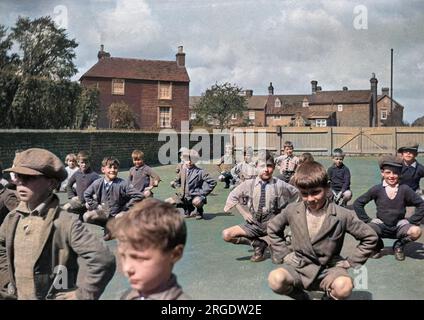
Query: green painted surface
214,269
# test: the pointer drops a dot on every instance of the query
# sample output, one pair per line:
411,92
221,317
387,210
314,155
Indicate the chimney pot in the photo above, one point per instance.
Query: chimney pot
345,88
270,89
249,93
180,57
314,84
319,88
385,91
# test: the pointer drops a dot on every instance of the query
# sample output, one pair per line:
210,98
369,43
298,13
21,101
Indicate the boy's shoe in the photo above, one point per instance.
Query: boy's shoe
199,215
398,250
259,247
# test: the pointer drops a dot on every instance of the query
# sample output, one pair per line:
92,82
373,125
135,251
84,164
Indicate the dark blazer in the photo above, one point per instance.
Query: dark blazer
8,202
120,197
199,184
309,256
64,240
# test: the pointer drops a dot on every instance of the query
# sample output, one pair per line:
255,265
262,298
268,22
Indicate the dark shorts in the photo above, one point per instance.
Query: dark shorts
254,230
391,232
323,280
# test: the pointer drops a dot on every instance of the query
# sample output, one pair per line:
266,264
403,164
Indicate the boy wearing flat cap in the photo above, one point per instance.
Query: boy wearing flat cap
391,199
266,197
40,243
412,170
196,185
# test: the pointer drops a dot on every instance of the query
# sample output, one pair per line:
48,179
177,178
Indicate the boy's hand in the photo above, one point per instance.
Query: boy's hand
70,295
376,221
343,264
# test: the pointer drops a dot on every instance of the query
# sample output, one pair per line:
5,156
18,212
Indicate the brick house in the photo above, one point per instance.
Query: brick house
157,91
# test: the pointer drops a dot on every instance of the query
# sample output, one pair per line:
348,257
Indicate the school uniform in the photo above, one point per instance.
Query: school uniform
287,165
411,175
391,209
264,201
339,177
171,291
312,260
82,180
114,196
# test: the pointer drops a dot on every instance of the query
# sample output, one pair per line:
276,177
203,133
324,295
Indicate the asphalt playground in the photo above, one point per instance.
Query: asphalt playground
212,269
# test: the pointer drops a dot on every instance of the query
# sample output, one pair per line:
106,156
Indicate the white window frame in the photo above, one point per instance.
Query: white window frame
193,115
251,115
115,89
277,103
233,117
340,108
383,115
165,90
321,123
168,124
305,103
277,117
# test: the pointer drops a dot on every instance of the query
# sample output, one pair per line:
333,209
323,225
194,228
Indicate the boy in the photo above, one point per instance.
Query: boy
412,170
83,178
109,197
266,197
42,246
318,229
71,168
195,183
245,169
225,165
287,162
339,176
141,176
151,239
391,200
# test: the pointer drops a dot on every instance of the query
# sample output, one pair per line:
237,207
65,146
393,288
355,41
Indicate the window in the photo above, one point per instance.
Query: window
118,86
193,116
233,117
165,90
277,103
383,114
251,115
305,103
340,108
165,117
277,117
321,122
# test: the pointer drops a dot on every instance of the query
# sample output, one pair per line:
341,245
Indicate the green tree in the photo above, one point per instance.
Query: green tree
121,116
45,49
87,108
219,103
7,61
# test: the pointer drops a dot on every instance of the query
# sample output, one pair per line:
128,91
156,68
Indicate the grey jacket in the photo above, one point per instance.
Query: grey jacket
310,256
199,184
64,240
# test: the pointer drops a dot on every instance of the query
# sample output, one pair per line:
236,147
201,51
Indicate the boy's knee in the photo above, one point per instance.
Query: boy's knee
278,281
342,287
226,235
198,202
414,232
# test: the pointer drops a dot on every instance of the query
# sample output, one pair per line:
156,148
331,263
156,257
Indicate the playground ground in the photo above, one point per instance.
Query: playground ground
212,269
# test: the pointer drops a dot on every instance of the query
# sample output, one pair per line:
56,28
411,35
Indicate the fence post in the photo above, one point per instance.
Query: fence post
395,140
330,152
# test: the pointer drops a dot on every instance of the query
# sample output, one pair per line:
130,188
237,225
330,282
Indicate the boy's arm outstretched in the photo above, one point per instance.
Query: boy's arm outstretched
413,199
277,242
233,200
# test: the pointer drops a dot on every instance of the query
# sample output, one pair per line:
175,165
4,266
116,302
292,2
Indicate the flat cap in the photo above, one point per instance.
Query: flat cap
409,147
38,162
389,160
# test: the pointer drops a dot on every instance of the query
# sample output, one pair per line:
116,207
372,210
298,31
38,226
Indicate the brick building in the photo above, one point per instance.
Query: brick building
156,91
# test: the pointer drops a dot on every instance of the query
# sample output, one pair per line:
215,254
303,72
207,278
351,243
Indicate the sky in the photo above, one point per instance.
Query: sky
251,43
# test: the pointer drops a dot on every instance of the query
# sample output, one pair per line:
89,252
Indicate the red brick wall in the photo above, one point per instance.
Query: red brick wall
397,115
142,97
353,115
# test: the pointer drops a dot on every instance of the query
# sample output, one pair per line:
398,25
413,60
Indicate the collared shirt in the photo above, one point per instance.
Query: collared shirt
26,243
287,163
107,184
391,191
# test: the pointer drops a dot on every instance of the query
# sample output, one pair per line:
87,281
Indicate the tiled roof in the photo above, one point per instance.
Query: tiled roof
290,104
320,114
340,97
253,102
139,69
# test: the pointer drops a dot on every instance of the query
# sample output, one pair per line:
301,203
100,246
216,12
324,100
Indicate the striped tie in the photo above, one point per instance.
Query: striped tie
261,201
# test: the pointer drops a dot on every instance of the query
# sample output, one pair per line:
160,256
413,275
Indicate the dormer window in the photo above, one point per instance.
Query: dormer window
277,103
305,103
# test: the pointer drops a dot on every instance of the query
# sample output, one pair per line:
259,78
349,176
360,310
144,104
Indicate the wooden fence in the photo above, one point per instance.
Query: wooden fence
321,141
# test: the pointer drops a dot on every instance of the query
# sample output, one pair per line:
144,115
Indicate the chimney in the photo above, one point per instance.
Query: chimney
180,57
374,116
345,88
102,53
385,91
248,93
270,89
319,88
314,84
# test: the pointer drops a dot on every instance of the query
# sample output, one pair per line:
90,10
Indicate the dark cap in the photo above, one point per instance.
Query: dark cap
390,161
338,152
413,147
38,162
